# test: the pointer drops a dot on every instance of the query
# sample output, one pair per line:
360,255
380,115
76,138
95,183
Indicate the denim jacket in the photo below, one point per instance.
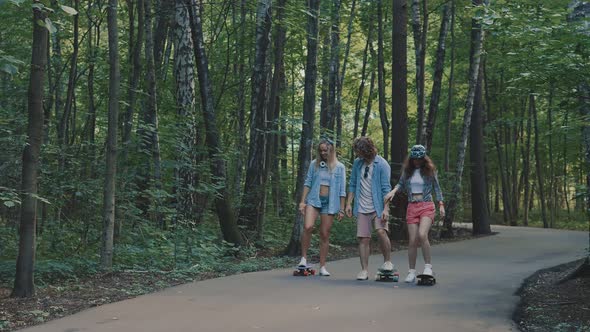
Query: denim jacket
337,187
380,185
430,183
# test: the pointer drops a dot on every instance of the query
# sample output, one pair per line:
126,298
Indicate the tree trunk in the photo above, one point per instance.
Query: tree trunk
135,63
477,36
276,91
565,176
361,91
504,179
309,95
58,71
90,129
399,104
324,57
24,280
190,204
450,97
381,81
334,69
369,104
539,168
223,205
240,98
420,34
106,253
343,73
477,151
526,167
428,130
552,199
165,17
151,112
62,132
253,204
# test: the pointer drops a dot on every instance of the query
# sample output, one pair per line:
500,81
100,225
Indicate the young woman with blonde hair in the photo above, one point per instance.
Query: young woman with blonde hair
323,195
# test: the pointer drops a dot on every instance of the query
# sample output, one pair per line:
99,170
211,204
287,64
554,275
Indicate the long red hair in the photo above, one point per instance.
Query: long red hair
426,169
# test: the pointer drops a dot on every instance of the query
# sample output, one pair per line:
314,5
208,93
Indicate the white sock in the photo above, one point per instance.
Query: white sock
303,261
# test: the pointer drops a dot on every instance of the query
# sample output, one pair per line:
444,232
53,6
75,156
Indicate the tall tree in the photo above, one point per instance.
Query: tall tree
135,47
538,165
361,89
552,199
334,67
420,35
526,167
449,118
189,205
239,71
252,210
163,30
477,151
309,95
381,80
108,216
223,206
343,72
151,109
274,154
399,97
62,132
24,280
477,37
90,128
428,128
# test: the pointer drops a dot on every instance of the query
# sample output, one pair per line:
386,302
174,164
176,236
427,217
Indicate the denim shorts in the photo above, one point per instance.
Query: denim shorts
325,200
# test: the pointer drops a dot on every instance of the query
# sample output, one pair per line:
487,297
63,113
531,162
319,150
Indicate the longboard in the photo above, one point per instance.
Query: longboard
387,275
303,271
426,280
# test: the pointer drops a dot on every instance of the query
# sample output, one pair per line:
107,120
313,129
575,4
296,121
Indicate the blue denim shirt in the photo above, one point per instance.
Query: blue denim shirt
337,187
430,183
380,184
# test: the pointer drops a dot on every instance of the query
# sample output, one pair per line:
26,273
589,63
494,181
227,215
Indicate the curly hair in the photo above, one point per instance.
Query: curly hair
427,168
365,147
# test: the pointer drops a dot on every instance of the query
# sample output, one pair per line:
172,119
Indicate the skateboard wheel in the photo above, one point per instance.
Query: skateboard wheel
294,273
313,272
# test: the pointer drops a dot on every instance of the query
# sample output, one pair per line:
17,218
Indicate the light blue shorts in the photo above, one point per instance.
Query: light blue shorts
325,200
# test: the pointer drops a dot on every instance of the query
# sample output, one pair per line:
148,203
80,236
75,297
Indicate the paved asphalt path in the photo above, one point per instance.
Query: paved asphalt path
475,292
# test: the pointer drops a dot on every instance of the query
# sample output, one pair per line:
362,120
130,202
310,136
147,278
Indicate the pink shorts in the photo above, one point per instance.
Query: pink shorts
418,210
366,222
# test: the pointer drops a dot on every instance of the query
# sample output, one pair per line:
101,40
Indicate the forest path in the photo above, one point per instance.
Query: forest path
476,282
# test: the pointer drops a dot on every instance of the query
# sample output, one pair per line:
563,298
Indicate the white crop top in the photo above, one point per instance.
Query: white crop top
325,176
417,182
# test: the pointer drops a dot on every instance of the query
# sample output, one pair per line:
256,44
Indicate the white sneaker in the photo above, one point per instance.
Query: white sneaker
302,262
428,269
387,266
411,276
363,275
324,272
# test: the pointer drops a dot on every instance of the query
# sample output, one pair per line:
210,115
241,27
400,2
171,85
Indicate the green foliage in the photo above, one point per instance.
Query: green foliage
9,197
49,271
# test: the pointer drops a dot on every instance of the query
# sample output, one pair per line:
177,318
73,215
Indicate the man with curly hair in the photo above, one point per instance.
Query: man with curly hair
369,183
